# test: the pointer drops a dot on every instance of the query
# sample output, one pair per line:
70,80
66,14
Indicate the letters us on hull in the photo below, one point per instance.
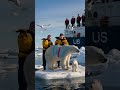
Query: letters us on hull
77,41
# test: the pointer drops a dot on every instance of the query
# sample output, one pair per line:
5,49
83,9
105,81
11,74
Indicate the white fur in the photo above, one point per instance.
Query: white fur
97,85
29,70
75,66
51,56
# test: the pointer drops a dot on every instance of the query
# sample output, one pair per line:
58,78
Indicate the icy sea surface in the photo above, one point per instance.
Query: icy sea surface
58,84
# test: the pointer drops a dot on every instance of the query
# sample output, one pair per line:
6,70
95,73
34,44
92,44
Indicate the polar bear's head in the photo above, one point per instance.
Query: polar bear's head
73,49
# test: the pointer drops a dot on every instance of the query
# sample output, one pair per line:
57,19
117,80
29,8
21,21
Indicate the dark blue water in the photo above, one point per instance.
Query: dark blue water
9,66
59,84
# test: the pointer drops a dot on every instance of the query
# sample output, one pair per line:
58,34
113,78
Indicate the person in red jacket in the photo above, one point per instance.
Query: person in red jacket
66,23
78,20
83,20
73,21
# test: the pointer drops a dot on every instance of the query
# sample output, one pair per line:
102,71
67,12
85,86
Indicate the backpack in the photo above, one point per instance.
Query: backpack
24,42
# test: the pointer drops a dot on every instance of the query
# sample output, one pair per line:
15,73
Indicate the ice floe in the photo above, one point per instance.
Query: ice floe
60,74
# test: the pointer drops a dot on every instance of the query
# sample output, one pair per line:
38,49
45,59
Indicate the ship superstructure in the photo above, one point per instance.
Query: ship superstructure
75,35
102,12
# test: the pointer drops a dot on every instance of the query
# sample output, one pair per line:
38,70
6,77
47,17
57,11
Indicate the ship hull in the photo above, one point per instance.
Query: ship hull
77,41
106,38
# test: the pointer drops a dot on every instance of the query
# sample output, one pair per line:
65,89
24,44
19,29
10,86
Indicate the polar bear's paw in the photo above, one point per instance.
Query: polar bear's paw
55,68
50,69
76,70
63,67
75,66
68,67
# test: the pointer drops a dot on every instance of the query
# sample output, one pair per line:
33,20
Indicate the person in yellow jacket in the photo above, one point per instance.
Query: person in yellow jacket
61,40
26,46
46,44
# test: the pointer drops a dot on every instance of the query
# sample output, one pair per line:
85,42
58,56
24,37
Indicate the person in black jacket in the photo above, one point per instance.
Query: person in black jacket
78,20
83,20
73,21
46,44
66,23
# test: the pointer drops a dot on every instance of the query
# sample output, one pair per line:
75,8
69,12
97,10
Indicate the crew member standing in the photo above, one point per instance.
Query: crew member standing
78,20
61,40
73,21
66,23
46,44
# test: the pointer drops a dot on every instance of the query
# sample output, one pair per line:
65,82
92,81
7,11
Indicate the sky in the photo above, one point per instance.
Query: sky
13,18
54,12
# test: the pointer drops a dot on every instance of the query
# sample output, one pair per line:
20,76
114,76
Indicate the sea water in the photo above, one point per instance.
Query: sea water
57,84
8,74
109,78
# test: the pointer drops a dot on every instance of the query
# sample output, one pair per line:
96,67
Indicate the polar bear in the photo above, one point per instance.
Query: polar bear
29,71
61,53
96,85
75,66
94,55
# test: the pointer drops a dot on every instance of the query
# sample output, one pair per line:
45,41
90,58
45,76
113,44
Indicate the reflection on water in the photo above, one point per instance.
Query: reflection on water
8,73
109,78
60,84
6,68
57,84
